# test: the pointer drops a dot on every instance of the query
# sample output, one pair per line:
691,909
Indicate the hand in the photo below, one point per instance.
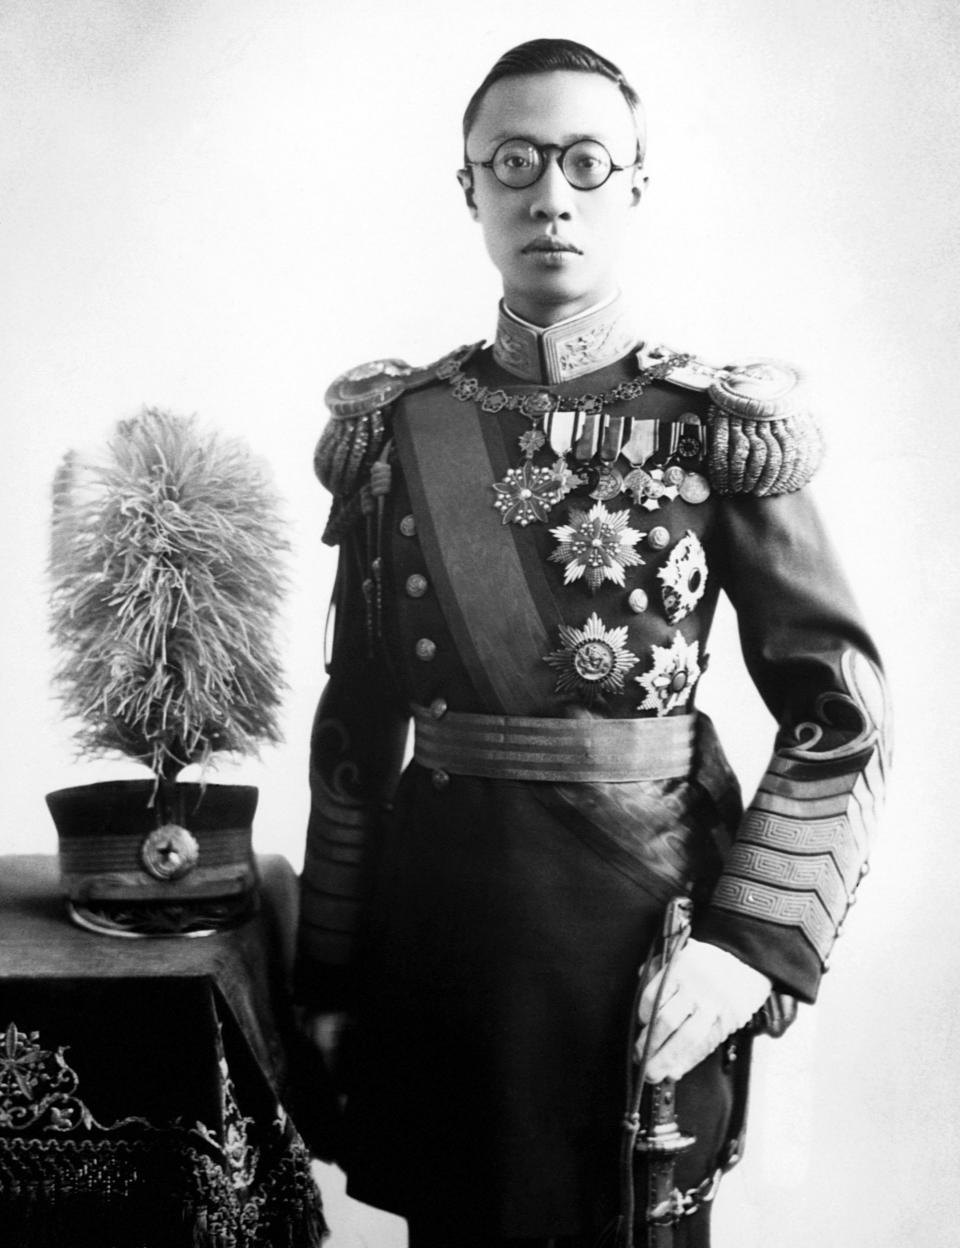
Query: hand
709,994
327,1029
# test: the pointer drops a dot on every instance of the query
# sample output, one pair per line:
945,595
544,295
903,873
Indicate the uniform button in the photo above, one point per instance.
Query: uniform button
438,708
864,870
416,585
426,649
440,779
659,537
408,526
638,601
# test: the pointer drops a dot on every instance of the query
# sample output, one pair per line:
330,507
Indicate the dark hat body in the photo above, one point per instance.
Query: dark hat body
137,841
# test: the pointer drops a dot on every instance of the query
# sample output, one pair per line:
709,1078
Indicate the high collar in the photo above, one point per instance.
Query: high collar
567,350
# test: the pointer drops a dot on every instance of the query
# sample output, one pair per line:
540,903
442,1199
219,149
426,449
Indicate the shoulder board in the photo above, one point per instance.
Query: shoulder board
761,438
371,387
689,371
357,433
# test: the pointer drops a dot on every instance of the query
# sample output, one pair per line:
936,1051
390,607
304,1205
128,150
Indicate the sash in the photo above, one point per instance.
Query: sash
497,605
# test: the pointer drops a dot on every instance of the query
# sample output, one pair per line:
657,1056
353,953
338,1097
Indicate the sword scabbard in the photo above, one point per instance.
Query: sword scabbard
660,1140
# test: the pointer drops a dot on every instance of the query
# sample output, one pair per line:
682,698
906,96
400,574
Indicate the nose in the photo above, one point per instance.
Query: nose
552,195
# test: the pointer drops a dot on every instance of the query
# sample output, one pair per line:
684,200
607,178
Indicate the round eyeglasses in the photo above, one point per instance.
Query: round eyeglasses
586,164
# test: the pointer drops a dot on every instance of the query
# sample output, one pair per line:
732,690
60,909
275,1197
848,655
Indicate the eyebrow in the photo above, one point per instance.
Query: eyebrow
503,135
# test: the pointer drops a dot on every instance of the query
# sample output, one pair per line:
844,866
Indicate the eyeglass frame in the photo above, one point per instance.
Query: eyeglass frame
541,149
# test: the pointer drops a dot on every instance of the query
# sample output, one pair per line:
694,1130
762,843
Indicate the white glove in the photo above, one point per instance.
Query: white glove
327,1029
709,994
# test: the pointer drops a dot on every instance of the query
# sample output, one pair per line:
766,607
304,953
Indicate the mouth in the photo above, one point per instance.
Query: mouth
550,246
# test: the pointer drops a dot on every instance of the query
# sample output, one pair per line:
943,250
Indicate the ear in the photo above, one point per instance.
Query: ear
638,187
465,178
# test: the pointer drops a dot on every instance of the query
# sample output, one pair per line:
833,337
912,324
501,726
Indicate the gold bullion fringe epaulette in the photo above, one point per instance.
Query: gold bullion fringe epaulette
357,431
761,439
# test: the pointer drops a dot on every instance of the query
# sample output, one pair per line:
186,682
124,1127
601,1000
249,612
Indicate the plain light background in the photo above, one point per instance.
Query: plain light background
216,207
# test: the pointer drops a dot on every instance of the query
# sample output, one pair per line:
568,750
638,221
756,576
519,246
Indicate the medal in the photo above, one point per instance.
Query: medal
531,442
609,483
592,660
649,489
526,494
567,480
694,488
670,681
596,546
684,577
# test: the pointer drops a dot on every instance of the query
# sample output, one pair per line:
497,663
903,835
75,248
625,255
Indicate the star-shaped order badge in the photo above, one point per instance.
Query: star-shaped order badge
675,671
592,660
684,577
567,480
526,494
596,546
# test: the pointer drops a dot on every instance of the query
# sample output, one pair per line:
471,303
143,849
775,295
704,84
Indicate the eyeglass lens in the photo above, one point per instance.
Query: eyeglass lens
585,164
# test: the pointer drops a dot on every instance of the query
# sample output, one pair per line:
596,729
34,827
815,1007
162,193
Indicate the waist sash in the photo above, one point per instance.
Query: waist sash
555,750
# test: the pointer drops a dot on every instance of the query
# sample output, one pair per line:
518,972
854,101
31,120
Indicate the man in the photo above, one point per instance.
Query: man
533,538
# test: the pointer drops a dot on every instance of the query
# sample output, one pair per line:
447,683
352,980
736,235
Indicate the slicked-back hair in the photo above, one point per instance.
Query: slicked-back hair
545,56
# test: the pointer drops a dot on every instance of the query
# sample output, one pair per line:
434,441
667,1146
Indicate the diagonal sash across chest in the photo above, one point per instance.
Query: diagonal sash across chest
496,604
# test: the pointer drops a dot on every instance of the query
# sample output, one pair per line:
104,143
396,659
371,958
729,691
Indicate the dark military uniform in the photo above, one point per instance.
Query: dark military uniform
533,539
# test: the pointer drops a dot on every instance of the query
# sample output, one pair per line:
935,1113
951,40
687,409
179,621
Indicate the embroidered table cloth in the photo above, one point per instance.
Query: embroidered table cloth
146,1085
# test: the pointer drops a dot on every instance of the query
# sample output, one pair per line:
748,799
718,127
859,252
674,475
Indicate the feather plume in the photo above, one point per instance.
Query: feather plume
167,574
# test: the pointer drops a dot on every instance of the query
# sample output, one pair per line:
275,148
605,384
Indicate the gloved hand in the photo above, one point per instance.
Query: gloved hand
328,1030
317,1061
709,994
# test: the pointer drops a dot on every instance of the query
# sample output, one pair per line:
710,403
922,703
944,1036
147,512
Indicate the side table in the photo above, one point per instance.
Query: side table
145,1083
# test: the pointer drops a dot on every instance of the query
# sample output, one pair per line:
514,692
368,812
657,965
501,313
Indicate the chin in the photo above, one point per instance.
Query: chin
555,290
559,306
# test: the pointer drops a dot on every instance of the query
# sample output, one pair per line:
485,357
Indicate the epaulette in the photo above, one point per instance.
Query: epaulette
761,439
357,433
358,401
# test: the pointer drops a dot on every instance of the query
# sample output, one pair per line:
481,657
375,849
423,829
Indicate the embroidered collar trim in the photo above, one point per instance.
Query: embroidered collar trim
564,351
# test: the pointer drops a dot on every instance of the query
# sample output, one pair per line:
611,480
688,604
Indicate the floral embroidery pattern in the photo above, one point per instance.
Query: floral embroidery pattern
37,1086
240,1155
675,671
684,577
597,545
593,660
583,349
